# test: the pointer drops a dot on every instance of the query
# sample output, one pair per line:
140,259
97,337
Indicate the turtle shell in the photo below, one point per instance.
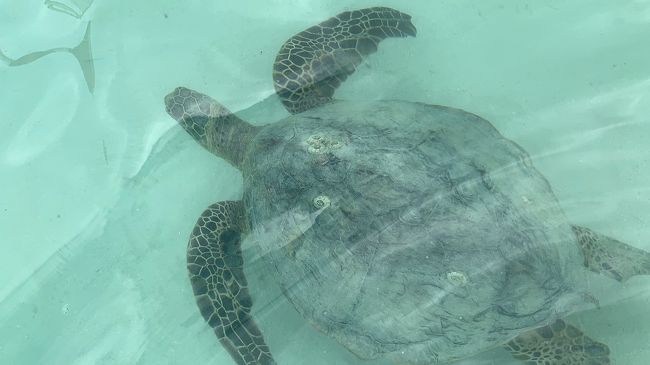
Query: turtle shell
409,230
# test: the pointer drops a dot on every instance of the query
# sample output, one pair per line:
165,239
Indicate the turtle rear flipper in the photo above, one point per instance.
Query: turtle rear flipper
215,266
314,62
558,344
611,257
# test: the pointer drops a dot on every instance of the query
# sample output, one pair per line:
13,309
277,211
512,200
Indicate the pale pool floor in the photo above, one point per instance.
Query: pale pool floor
101,190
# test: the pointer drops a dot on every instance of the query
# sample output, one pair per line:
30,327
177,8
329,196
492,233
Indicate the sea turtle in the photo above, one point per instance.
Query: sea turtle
403,230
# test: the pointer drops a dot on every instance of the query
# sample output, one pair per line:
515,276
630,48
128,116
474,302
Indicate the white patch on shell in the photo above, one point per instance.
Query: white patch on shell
457,278
322,144
321,201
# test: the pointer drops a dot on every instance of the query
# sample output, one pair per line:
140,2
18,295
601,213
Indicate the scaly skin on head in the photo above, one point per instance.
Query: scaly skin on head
210,124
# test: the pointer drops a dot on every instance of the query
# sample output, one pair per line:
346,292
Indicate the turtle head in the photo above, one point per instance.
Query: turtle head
210,124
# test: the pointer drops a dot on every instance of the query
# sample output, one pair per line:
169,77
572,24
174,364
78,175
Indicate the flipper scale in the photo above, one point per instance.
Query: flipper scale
313,63
215,267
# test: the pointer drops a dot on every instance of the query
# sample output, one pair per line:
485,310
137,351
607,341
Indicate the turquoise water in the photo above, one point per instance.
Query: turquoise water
100,189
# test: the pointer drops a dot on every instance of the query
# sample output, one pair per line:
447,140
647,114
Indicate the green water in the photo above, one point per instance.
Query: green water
100,190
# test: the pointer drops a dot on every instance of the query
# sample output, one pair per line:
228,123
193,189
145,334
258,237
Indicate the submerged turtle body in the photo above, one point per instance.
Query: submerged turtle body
402,230
431,213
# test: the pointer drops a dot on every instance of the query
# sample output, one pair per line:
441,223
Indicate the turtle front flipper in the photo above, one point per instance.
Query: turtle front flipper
611,257
559,344
314,62
215,266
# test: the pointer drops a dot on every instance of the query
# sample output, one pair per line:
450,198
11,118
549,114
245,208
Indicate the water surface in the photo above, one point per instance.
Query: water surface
100,188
